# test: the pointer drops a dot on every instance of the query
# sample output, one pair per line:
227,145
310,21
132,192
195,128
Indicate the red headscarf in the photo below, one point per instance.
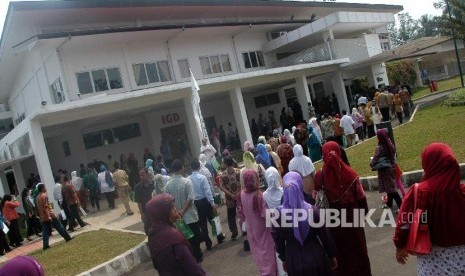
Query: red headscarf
335,175
441,195
162,232
386,143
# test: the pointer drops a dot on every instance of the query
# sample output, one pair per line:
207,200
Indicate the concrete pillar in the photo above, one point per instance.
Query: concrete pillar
416,66
340,90
19,176
194,132
4,182
303,94
43,162
379,74
240,115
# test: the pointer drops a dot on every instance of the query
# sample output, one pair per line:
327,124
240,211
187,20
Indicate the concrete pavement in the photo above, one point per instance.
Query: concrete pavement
230,259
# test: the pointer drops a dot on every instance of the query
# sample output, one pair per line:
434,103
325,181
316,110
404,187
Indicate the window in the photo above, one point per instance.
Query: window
265,100
153,72
66,148
111,135
215,64
99,80
253,59
318,87
20,118
291,96
184,68
58,94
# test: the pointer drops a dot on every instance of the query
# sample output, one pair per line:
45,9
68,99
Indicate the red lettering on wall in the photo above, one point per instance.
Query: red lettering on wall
170,118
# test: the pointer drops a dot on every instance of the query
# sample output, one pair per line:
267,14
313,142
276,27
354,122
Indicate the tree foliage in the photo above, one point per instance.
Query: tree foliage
455,22
400,72
407,29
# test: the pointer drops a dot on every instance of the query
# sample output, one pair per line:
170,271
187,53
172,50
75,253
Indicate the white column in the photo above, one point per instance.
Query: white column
240,115
195,132
416,66
19,176
340,90
303,94
43,163
4,182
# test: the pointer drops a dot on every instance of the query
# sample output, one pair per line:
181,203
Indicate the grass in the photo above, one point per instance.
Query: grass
446,84
431,124
85,251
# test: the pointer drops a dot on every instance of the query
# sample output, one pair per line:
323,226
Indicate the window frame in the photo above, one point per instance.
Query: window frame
107,79
170,71
257,56
55,97
222,71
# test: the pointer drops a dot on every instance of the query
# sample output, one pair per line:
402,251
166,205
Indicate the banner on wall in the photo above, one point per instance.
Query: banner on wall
196,106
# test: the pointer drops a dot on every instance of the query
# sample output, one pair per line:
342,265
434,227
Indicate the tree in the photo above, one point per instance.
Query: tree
406,29
455,22
400,72
428,26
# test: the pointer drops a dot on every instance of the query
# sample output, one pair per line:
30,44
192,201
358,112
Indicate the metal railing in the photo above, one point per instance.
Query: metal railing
321,52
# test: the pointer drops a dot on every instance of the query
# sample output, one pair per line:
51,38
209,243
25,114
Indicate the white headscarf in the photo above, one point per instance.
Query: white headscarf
301,163
316,128
274,193
203,169
76,181
289,137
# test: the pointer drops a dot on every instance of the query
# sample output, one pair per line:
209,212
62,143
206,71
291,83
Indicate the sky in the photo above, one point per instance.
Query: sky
411,6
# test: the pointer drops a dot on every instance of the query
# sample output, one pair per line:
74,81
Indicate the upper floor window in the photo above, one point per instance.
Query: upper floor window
184,68
58,94
253,59
152,72
99,80
265,100
215,64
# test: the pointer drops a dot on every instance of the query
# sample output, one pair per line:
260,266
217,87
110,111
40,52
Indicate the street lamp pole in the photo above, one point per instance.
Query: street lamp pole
455,45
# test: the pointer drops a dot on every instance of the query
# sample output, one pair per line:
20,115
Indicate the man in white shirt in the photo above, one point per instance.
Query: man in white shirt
207,149
57,191
203,201
349,130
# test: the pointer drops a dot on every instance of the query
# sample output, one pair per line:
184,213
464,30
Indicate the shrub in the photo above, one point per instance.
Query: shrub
400,72
457,98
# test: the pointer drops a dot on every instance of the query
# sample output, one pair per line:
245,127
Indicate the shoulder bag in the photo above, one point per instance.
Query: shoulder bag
321,201
418,242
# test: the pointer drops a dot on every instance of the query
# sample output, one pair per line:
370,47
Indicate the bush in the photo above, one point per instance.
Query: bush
400,72
457,98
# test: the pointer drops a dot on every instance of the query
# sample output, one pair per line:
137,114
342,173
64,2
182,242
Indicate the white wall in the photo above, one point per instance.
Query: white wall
373,44
80,155
354,49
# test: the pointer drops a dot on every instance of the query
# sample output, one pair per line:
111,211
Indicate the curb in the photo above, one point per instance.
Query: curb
123,263
436,93
370,183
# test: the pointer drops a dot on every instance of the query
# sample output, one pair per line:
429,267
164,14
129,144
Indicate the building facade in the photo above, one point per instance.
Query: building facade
81,80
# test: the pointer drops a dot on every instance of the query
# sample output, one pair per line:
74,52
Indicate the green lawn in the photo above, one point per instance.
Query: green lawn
85,251
431,124
446,84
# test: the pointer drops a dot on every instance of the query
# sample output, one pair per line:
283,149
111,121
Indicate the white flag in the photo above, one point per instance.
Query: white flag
195,88
196,106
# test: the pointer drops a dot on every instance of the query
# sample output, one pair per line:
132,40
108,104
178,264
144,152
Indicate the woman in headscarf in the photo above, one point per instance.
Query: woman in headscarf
250,163
398,107
275,157
105,179
344,191
358,125
341,149
81,191
441,195
149,167
273,196
289,137
285,153
386,176
314,145
251,208
227,153
22,265
304,165
316,128
304,250
263,157
170,252
301,137
248,146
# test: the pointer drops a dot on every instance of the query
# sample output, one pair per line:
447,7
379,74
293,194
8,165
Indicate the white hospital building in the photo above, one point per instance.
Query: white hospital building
83,79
